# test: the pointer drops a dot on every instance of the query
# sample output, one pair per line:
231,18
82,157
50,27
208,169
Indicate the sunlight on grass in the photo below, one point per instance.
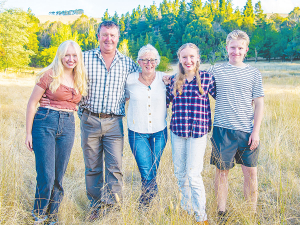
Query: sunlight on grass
279,170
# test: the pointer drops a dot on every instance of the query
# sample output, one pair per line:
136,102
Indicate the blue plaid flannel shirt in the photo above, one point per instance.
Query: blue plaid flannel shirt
191,114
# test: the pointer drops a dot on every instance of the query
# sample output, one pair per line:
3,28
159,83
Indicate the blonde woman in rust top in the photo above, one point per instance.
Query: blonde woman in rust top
50,130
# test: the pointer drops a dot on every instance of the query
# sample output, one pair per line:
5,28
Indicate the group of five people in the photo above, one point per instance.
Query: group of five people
101,80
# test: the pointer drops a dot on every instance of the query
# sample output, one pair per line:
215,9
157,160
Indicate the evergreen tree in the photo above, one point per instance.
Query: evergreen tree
200,32
115,18
175,7
259,13
248,20
248,9
229,10
106,16
196,10
152,16
157,46
166,26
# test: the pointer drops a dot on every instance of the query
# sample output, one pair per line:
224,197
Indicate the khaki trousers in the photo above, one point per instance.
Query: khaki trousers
102,144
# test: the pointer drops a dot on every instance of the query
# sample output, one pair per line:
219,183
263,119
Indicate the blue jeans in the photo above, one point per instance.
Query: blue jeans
147,150
53,134
187,154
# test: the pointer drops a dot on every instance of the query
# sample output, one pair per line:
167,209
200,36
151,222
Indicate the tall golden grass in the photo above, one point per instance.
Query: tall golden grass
279,168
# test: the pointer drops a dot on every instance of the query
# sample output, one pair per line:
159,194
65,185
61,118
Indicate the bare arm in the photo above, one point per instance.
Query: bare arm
258,115
31,108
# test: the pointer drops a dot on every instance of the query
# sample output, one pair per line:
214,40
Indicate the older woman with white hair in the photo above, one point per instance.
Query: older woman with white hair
146,119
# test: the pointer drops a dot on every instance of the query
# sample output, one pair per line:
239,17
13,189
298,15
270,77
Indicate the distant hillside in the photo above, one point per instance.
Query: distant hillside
280,14
71,18
64,19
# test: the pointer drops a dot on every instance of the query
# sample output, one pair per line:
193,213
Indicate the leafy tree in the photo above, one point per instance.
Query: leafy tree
81,25
278,20
295,15
14,25
90,41
32,30
46,32
123,47
63,33
45,57
164,64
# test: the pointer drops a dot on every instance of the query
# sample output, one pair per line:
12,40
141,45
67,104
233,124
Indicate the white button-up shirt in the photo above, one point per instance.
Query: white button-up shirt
147,110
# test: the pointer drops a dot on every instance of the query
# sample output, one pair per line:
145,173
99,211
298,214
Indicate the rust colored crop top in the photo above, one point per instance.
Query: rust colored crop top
63,98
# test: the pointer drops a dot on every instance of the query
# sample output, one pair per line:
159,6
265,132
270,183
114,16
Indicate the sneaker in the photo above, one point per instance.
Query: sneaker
94,215
108,208
38,220
222,217
203,222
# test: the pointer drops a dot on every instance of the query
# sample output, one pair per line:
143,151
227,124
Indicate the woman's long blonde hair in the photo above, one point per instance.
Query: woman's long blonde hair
57,67
180,77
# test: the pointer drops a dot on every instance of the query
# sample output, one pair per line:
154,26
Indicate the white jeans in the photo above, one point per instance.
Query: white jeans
188,156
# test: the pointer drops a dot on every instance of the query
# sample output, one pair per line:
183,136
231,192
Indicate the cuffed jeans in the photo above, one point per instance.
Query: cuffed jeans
147,150
53,134
188,156
102,141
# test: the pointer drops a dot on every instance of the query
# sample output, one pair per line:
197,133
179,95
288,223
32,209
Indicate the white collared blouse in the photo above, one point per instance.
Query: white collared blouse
147,110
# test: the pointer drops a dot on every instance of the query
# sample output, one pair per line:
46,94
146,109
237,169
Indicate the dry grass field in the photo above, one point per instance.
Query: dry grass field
279,165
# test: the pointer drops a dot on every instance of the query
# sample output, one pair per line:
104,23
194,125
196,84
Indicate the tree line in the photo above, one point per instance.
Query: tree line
25,41
69,12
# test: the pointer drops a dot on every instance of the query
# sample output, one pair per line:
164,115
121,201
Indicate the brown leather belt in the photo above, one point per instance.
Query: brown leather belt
100,115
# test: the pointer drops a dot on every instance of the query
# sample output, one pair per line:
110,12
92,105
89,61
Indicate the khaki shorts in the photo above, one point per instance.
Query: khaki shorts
229,146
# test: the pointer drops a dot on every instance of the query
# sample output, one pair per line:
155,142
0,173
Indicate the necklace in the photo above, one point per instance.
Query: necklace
147,82
71,85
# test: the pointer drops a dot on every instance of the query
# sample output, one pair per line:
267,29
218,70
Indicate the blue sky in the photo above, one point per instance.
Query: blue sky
96,8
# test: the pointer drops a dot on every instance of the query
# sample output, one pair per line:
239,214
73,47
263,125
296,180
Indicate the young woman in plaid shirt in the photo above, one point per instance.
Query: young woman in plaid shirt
191,121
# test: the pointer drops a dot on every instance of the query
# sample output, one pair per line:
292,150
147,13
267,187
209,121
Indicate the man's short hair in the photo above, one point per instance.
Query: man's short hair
238,35
108,24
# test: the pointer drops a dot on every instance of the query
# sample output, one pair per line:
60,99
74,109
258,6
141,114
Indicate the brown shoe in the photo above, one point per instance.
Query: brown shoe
203,222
